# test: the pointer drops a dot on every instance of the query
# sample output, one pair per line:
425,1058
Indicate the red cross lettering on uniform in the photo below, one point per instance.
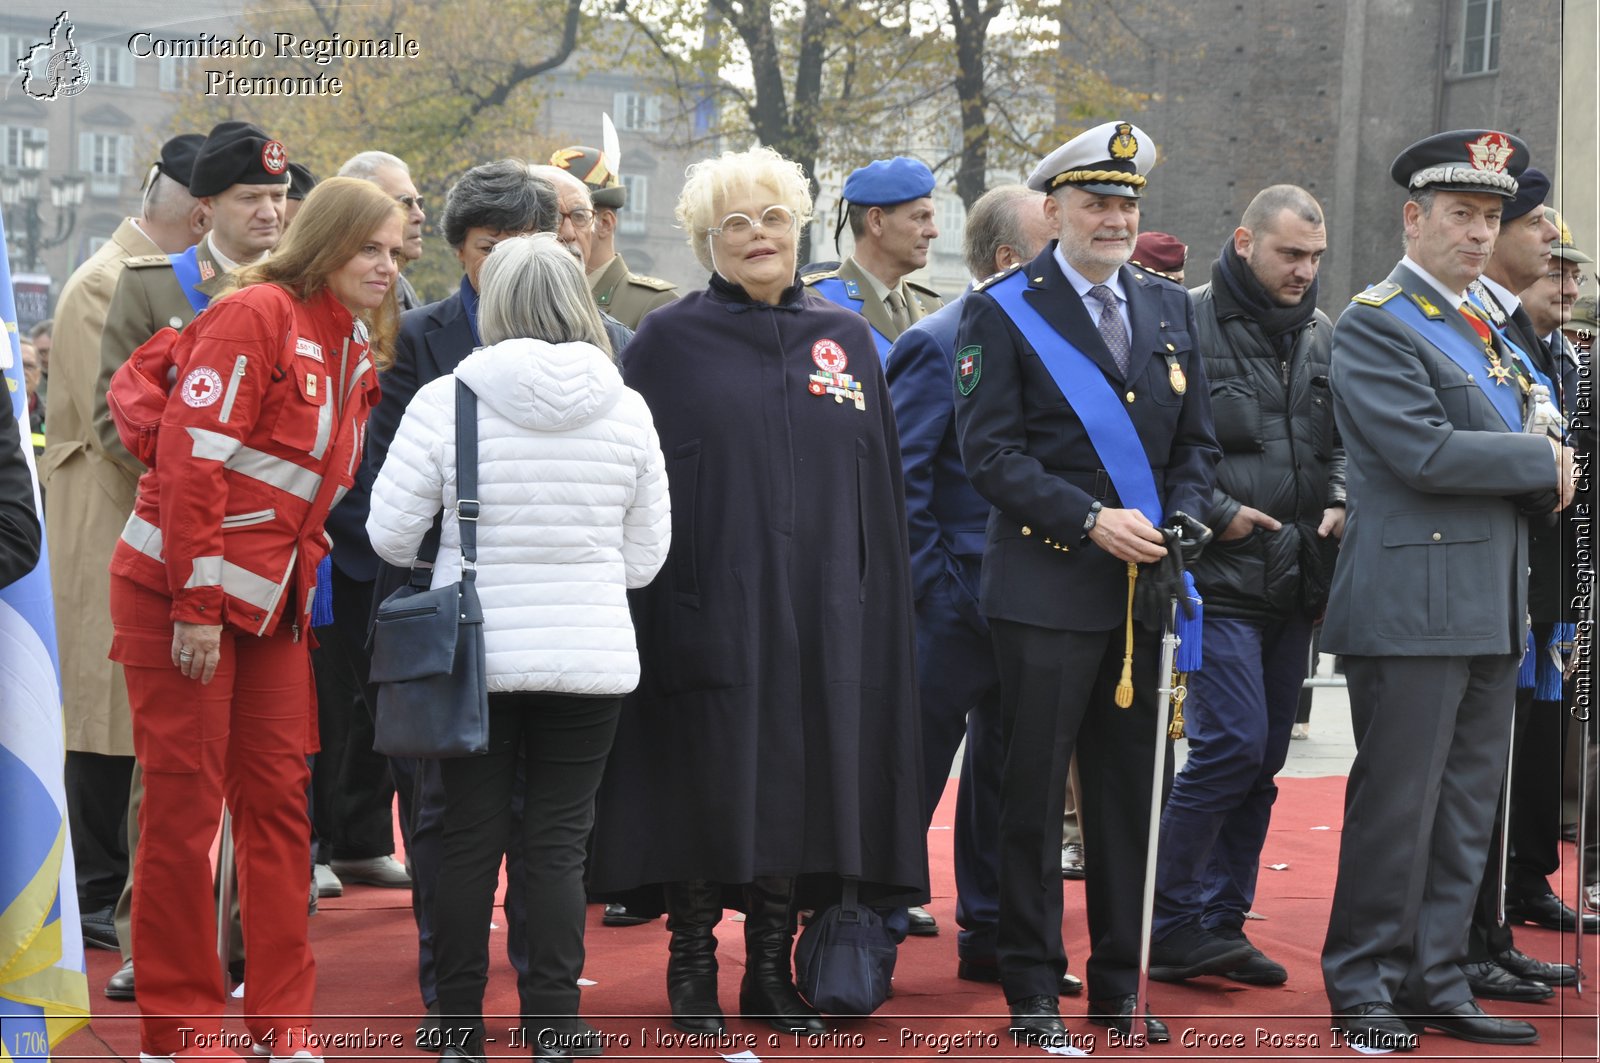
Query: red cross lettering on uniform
201,387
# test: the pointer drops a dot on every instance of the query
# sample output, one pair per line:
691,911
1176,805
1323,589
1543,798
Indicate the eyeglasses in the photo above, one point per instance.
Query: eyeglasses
738,228
1560,277
582,217
409,202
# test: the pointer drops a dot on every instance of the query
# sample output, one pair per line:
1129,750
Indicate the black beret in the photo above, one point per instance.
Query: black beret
1532,187
177,156
238,153
1463,160
301,180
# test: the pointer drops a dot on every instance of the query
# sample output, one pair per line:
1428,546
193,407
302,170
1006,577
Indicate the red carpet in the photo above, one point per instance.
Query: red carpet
367,991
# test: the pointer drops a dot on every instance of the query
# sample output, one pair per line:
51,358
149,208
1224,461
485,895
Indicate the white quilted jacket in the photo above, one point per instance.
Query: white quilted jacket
574,509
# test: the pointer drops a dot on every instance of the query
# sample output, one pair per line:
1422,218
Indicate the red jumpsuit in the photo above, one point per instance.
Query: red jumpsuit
261,436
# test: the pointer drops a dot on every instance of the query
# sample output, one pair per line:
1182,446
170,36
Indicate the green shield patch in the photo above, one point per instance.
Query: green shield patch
969,367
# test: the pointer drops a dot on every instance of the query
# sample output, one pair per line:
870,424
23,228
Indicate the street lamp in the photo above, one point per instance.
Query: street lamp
19,192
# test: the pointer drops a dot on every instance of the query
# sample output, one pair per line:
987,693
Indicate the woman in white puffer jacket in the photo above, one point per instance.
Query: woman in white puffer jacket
574,512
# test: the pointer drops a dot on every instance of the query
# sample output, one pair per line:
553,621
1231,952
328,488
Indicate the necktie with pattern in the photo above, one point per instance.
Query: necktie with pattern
1112,330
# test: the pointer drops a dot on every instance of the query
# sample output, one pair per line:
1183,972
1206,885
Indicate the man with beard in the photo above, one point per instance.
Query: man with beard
1429,599
1083,417
1277,511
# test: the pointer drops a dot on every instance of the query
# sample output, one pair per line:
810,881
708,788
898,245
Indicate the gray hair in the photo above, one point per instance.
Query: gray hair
559,177
366,164
1262,213
995,221
167,201
532,287
502,197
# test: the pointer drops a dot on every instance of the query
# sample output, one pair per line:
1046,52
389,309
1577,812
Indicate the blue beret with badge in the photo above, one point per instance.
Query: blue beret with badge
1109,160
1463,160
887,182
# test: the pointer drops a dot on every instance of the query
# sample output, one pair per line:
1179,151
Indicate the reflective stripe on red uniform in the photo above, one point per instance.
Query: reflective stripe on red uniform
269,408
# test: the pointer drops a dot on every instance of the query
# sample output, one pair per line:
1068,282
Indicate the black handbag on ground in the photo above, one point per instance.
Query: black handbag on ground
845,958
427,645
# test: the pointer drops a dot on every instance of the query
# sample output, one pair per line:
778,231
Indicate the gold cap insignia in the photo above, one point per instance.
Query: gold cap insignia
1124,145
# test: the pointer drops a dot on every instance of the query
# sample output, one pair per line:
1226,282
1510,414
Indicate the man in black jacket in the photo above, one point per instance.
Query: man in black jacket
1277,510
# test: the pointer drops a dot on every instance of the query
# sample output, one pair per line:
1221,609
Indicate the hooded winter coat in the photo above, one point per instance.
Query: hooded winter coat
574,510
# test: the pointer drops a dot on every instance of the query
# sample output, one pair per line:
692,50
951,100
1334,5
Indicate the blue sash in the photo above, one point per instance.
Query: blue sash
833,290
186,268
1511,345
1091,397
1468,354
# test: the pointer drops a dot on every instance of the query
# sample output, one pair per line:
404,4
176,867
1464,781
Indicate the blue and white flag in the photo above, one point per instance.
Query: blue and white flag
44,994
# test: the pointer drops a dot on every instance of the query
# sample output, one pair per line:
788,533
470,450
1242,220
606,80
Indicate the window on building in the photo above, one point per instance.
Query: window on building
104,157
1480,36
12,137
113,65
631,218
15,47
950,214
637,112
175,72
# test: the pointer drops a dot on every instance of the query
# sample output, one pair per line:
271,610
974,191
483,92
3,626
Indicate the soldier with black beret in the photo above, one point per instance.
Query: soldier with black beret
620,292
301,182
1429,601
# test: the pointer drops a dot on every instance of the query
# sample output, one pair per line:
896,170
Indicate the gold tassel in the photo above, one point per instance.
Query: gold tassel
1180,690
1125,684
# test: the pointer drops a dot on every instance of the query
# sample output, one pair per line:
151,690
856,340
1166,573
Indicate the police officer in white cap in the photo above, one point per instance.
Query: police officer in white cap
1084,419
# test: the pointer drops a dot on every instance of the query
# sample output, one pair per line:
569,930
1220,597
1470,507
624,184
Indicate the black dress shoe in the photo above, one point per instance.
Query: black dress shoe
1493,982
100,929
975,970
618,915
1468,1022
1549,912
1117,1014
919,924
1375,1026
1524,966
1037,1021
120,985
1191,951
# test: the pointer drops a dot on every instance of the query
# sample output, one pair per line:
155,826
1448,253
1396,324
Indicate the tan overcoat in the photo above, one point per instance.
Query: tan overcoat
88,496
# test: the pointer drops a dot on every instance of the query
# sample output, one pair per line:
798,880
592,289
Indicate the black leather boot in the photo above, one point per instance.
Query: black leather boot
767,991
693,911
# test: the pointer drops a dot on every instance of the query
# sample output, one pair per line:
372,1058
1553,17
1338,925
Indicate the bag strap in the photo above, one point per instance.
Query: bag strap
467,507
466,497
848,897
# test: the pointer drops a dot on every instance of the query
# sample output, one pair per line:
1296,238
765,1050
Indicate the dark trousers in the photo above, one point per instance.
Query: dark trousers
97,812
565,741
1419,806
353,788
1238,717
1535,852
1057,696
960,696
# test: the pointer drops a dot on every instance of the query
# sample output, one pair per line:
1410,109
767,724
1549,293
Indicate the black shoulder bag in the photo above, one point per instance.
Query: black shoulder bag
427,645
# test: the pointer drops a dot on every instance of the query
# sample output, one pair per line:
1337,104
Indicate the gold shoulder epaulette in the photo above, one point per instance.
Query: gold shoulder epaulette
146,261
656,283
1378,294
1002,275
812,278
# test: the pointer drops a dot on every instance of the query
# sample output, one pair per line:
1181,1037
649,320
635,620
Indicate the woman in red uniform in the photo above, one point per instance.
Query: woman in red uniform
211,588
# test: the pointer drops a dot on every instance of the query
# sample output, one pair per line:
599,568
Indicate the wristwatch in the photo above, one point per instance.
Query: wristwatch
1094,515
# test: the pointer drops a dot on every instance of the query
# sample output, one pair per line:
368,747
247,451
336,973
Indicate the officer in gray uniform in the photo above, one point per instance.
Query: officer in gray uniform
1429,599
